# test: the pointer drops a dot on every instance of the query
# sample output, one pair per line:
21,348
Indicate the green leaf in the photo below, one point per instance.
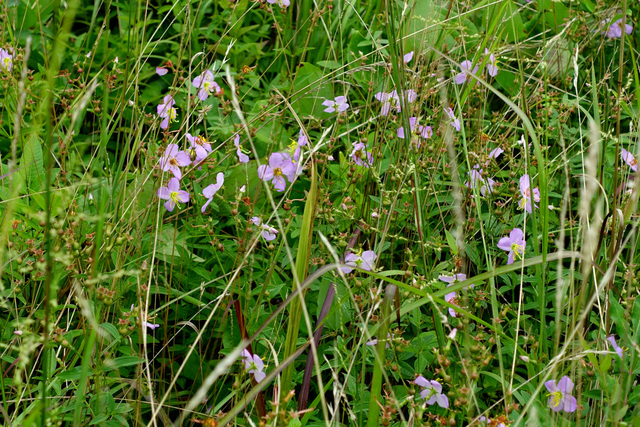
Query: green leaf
451,241
32,163
122,362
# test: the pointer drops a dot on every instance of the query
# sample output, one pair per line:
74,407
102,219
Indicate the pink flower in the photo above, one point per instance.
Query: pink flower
417,132
495,153
361,156
161,71
210,190
6,60
465,67
432,392
243,158
454,121
614,345
280,166
393,100
339,104
560,393
492,65
253,364
172,194
167,112
515,244
268,233
526,193
365,261
407,57
206,85
199,146
173,160
282,3
630,160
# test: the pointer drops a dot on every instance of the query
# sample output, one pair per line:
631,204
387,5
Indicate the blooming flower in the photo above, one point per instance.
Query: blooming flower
492,65
364,261
253,365
454,121
268,233
339,104
6,60
173,160
561,398
210,190
630,160
361,156
393,100
172,194
407,57
614,345
487,187
525,191
150,325
460,277
167,112
489,422
615,30
417,131
465,68
432,392
161,71
282,3
243,158
280,166
375,341
475,178
515,244
451,298
206,85
199,146
495,153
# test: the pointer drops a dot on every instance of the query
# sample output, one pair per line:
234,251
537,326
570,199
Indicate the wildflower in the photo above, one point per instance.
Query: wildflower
206,85
150,325
515,244
417,131
612,340
630,160
453,333
561,398
361,156
167,112
302,142
282,3
268,233
253,365
475,177
199,146
407,57
364,261
492,65
465,68
460,277
172,194
6,60
210,190
451,298
615,30
375,341
495,153
174,159
487,187
489,422
280,166
393,100
339,104
432,392
161,71
243,158
454,121
525,192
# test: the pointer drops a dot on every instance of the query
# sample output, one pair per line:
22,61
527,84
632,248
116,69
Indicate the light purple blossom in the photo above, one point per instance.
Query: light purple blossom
492,64
172,194
365,261
487,186
174,159
487,421
475,178
205,85
515,244
630,160
407,57
460,277
150,325
253,364
525,191
210,190
615,30
361,156
495,153
339,104
167,112
466,71
268,233
417,132
200,147
454,121
243,158
560,395
280,166
282,3
614,345
432,392
451,298
161,71
375,341
393,100
295,147
6,60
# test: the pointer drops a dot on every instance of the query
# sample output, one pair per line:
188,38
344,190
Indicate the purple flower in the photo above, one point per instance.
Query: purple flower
161,71
375,341
295,146
475,177
465,67
432,392
614,345
417,131
364,261
268,233
454,121
172,194
280,166
339,104
200,147
210,190
451,298
492,64
407,57
615,30
561,398
393,100
6,60
525,191
515,244
495,153
150,325
206,85
243,158
174,159
253,365
282,3
487,187
361,156
488,421
630,160
460,277
167,112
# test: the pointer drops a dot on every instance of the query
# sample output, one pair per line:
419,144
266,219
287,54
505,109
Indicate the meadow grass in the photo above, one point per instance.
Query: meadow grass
319,213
